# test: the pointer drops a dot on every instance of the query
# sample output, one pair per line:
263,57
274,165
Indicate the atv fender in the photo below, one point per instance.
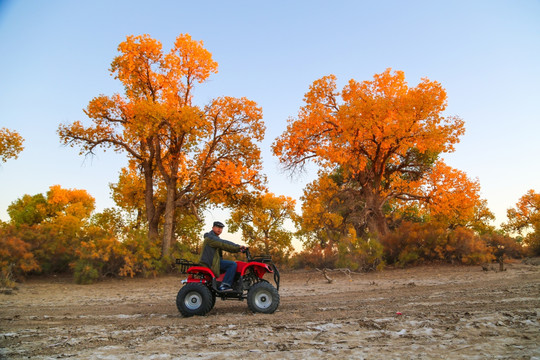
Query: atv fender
259,268
199,270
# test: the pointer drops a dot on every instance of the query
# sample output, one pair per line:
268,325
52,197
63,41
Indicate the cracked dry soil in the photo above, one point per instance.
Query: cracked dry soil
428,312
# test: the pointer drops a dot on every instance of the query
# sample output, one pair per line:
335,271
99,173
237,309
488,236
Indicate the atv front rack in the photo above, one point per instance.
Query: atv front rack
265,259
185,265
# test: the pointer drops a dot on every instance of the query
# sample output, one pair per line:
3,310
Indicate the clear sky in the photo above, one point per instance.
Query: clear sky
55,56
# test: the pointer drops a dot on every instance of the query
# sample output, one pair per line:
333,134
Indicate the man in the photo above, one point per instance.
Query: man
211,255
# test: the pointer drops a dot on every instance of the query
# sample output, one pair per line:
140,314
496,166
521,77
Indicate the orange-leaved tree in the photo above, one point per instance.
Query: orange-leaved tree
329,214
453,199
52,225
15,255
128,194
124,123
11,144
261,218
525,219
200,155
379,136
329,225
325,213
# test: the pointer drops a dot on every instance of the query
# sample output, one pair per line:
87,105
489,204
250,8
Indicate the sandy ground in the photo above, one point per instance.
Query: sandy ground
439,312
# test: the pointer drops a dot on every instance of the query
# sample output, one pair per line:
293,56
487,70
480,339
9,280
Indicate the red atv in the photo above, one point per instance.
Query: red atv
200,290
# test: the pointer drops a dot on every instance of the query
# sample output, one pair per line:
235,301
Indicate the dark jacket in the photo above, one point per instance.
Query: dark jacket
212,250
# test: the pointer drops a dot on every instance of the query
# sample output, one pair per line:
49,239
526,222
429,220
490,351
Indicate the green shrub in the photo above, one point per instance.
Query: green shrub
85,273
360,253
6,277
414,243
407,257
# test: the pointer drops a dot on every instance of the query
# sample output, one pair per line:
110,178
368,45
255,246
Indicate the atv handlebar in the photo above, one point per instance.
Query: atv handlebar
248,254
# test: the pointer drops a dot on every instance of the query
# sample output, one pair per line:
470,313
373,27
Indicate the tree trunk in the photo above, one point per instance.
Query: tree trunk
377,223
153,229
169,173
168,226
375,218
501,263
152,214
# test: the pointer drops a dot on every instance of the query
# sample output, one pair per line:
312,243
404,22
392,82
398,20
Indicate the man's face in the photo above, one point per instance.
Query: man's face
218,230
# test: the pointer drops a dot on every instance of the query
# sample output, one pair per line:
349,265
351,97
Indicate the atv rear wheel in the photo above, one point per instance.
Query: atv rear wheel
194,299
263,298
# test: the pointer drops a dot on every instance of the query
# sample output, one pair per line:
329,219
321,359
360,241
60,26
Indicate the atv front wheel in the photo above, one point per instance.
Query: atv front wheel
263,297
194,299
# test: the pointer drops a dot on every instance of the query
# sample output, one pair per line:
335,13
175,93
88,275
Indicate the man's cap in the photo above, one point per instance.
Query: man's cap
219,224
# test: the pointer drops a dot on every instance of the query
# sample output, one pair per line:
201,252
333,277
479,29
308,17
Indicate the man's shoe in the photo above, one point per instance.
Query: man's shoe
225,288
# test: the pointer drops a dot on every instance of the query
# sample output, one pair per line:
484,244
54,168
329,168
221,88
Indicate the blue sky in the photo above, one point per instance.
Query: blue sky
55,56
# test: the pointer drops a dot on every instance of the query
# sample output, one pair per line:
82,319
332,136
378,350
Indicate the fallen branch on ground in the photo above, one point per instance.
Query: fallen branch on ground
345,271
323,271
